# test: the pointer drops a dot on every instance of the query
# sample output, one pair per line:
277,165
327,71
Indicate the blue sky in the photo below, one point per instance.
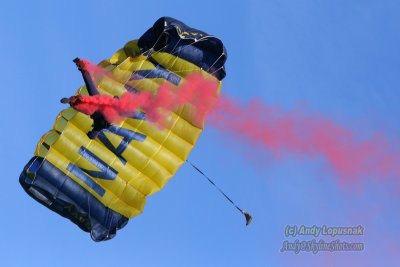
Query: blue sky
339,58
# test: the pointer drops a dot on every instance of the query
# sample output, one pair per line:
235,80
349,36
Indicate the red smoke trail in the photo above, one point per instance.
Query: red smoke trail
95,71
200,93
308,135
258,124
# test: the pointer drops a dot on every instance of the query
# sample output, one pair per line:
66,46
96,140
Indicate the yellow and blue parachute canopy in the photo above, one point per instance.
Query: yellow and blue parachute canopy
99,177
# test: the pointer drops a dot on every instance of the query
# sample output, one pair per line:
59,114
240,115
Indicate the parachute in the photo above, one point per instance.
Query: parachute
100,181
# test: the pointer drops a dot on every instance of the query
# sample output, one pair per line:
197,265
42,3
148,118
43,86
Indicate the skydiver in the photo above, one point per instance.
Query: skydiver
99,121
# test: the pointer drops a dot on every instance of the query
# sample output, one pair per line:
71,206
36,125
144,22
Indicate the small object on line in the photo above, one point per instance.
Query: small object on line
245,213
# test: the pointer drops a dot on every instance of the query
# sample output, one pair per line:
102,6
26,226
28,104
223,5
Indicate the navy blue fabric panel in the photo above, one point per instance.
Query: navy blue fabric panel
172,36
78,172
209,61
156,73
55,190
106,172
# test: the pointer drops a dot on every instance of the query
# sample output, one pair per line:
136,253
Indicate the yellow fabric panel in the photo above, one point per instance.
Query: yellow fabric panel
65,151
61,161
131,49
110,87
183,68
179,66
69,146
137,159
151,163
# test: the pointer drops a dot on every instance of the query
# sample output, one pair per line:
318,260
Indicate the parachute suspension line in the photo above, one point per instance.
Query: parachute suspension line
245,213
